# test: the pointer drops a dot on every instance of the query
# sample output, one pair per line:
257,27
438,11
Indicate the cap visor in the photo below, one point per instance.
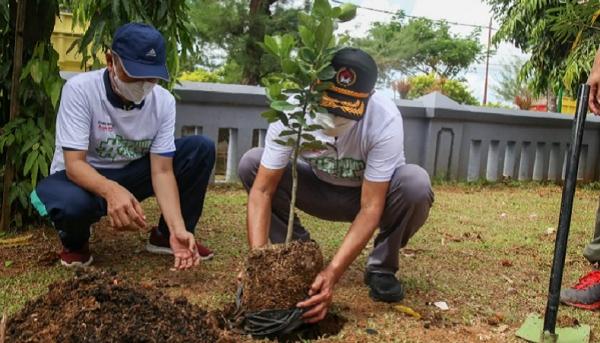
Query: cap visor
145,71
344,105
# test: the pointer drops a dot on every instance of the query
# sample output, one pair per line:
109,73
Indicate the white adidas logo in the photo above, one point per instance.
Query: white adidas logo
151,53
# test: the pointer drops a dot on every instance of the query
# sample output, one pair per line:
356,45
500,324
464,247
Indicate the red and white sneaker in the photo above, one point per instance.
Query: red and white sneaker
79,258
585,294
159,244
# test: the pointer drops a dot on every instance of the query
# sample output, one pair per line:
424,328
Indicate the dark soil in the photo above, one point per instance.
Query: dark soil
279,276
100,307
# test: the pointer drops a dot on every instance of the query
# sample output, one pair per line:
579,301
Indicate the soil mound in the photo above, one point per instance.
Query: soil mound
98,306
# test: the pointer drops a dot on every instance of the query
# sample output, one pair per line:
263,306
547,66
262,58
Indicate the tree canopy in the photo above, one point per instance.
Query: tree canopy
230,32
510,84
419,45
561,36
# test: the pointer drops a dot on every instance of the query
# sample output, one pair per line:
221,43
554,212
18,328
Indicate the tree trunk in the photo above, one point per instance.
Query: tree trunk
290,227
3,328
9,169
259,10
551,104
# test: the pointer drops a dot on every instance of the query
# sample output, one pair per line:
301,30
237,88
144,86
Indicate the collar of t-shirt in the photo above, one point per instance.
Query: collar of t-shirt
115,99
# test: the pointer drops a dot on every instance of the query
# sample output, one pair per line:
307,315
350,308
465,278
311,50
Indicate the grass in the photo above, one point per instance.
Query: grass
485,250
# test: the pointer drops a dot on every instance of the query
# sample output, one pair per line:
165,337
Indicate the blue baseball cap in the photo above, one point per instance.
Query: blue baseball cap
142,51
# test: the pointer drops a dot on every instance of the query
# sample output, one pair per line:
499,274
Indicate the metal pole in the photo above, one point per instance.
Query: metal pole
564,221
487,63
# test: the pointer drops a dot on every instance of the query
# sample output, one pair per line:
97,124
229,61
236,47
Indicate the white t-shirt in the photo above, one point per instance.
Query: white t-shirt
373,148
112,136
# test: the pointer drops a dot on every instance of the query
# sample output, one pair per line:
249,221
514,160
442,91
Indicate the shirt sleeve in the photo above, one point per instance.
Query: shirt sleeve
73,121
164,141
386,154
275,156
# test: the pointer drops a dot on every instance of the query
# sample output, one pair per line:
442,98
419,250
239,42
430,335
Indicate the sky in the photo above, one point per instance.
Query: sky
464,11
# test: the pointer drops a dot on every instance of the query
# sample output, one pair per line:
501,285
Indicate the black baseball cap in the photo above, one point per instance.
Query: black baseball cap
353,83
142,51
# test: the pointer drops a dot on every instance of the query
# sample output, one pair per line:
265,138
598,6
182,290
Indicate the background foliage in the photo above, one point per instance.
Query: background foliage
420,46
28,141
561,36
456,90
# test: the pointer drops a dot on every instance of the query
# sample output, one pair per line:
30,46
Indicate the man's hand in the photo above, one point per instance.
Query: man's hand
124,211
321,296
594,82
184,248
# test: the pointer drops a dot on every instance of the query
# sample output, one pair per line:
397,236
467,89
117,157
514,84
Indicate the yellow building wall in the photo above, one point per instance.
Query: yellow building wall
62,37
569,105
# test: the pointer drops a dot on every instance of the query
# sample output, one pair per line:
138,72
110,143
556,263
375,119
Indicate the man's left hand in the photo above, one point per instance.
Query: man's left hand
321,296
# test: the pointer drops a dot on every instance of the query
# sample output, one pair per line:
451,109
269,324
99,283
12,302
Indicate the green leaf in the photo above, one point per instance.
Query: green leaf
324,85
34,173
307,54
284,118
287,133
327,74
313,128
43,165
8,263
308,137
55,92
31,158
314,145
306,35
321,8
324,34
305,19
270,115
289,66
281,105
287,43
280,142
347,12
28,144
271,45
273,91
36,71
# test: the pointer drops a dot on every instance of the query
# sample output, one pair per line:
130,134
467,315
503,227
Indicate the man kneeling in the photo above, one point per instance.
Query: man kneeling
361,178
115,146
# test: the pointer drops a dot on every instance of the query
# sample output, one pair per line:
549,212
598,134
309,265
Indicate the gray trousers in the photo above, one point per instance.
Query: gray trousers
592,250
407,205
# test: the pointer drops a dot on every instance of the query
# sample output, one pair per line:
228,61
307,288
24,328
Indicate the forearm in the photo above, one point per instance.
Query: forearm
167,196
258,218
356,239
596,66
88,178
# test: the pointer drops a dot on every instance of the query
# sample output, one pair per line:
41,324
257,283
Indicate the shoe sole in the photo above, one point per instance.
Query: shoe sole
590,307
385,299
154,249
77,264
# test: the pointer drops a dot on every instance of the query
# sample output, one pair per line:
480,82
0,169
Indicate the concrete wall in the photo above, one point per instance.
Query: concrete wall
449,140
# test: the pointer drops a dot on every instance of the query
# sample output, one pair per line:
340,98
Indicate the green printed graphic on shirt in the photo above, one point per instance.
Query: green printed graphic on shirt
119,147
346,168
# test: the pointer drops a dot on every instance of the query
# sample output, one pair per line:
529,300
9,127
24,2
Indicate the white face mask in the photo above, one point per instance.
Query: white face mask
132,91
334,126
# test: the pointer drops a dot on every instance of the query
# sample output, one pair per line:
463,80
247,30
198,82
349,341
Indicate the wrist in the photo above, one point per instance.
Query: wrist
176,229
107,188
335,270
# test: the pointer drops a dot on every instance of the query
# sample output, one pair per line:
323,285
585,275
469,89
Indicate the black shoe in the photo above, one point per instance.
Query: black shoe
384,287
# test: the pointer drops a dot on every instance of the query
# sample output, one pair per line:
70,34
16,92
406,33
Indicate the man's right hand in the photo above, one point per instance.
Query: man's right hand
124,211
